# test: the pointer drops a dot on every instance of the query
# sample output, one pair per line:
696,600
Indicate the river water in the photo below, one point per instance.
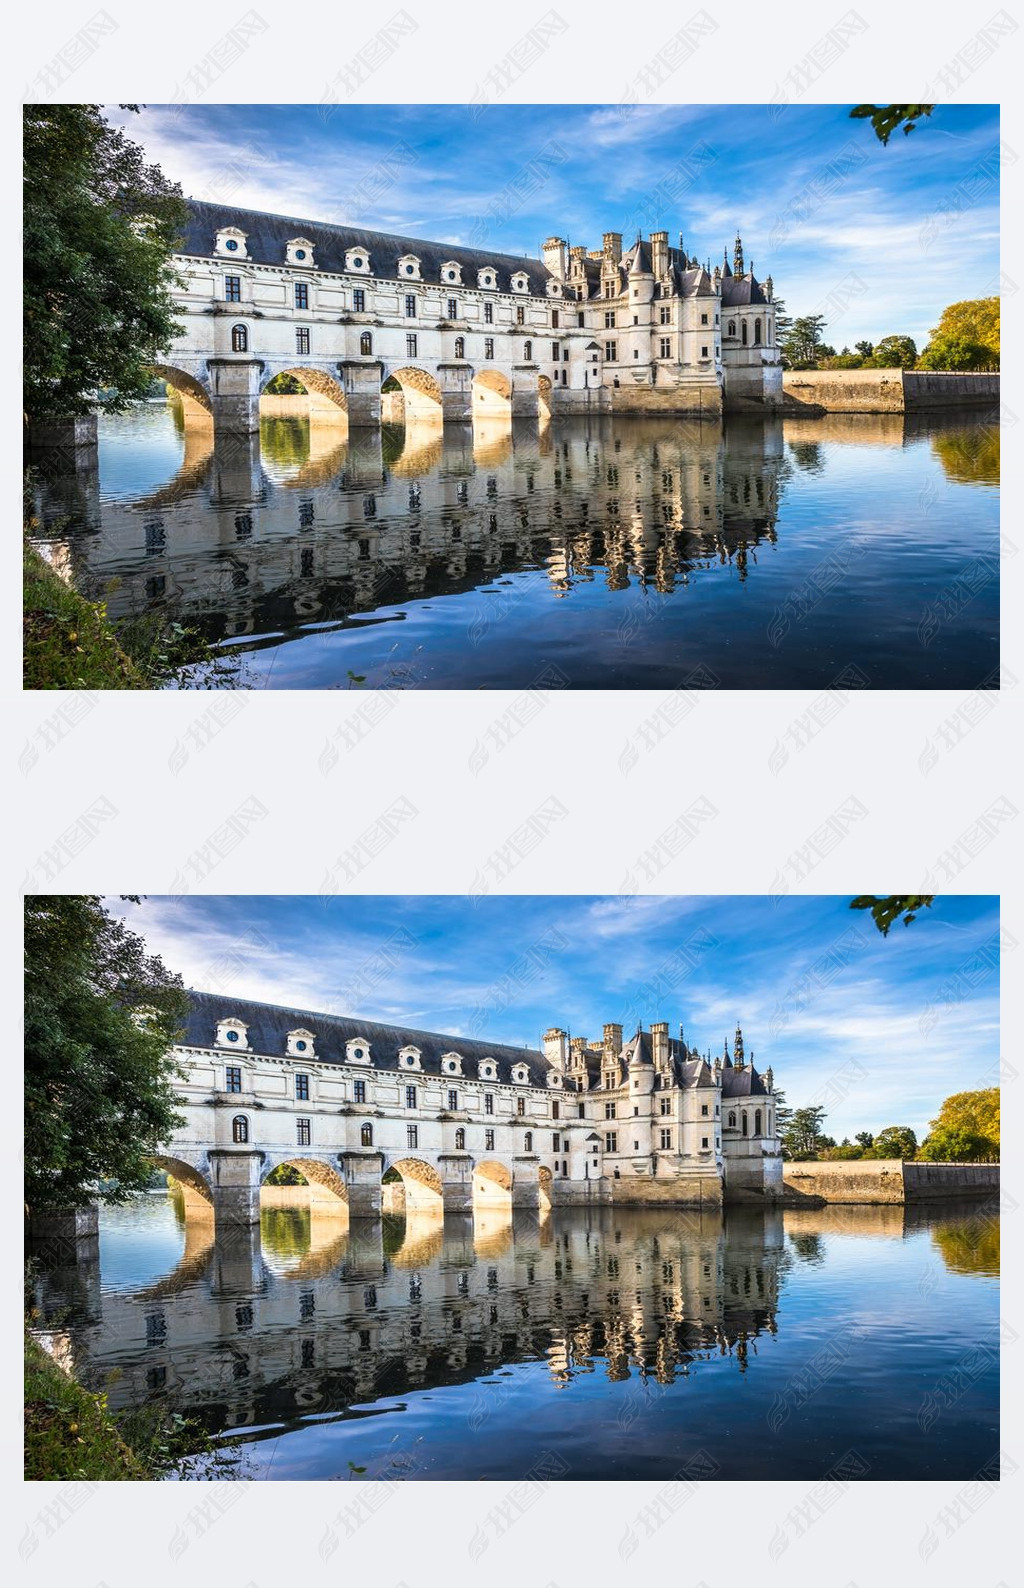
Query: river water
846,552
859,1343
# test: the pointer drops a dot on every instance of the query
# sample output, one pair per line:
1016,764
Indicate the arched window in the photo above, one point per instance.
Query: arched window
732,1121
239,1128
768,329
757,1122
460,1140
744,1121
366,1135
460,347
757,333
528,1141
366,343
239,339
732,327
743,329
528,351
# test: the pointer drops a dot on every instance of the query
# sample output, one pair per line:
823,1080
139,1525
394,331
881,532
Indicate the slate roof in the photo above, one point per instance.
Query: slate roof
269,1024
267,235
740,290
742,1083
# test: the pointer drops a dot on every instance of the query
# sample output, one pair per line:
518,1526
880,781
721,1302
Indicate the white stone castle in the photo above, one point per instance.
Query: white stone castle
648,328
355,1105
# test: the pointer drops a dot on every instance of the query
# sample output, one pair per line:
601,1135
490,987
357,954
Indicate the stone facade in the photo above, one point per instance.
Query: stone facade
648,329
354,1105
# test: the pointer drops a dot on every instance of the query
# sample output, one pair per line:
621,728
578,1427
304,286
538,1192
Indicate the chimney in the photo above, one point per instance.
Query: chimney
613,246
554,257
659,254
554,1042
659,1031
612,1044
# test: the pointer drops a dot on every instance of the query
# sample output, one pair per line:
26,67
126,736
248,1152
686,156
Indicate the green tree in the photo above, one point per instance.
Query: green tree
803,1136
957,353
886,118
284,385
100,1017
865,349
99,225
887,908
801,344
895,352
895,1141
285,1174
966,1127
864,1139
844,1153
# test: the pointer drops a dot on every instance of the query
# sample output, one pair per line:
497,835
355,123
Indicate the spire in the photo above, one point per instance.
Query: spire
738,256
769,1079
725,267
738,1048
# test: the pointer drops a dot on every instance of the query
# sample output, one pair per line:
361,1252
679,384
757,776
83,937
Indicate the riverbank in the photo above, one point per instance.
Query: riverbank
881,391
882,1180
69,642
69,1434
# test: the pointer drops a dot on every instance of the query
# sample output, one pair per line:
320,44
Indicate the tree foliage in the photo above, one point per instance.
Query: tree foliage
966,337
966,1129
886,118
894,352
100,1017
802,1135
887,908
801,342
895,1141
99,225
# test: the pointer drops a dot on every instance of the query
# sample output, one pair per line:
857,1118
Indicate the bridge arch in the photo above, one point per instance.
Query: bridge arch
492,394
327,1190
421,393
196,404
545,1178
492,1184
196,1191
422,1185
544,396
327,402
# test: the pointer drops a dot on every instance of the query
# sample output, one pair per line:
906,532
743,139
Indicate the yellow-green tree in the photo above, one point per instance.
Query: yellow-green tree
966,337
966,1129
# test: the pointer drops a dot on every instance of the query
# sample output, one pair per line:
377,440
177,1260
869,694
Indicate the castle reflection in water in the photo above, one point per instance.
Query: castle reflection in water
325,1316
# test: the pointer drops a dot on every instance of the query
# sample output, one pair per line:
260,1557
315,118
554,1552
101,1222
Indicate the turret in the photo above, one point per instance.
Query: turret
554,257
555,1045
769,1079
769,288
641,281
641,1071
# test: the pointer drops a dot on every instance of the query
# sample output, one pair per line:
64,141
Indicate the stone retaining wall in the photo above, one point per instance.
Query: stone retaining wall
873,391
887,1180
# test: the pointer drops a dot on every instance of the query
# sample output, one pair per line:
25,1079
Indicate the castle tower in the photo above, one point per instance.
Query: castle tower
641,1071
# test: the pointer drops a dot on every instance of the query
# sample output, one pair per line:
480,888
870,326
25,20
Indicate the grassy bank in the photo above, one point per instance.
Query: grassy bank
68,641
68,1432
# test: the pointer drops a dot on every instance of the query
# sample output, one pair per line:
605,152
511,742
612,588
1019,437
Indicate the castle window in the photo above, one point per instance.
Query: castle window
703,352
556,351
556,1143
460,1140
240,1128
666,347
528,1141
732,327
488,313
554,319
410,1097
581,1110
666,1138
520,314
554,1110
302,294
732,1121
488,1102
232,289
703,319
488,347
412,1135
460,347
230,244
581,319
757,333
410,306
704,1143
359,300
302,1088
769,326
303,1133
453,308
609,1110
609,352
366,343
609,290
743,333
757,1122
366,1135
528,351
520,1105
704,1109
239,339
665,1105
453,1098
636,352
302,339
410,347
488,1141
233,1078
665,315
744,1123
611,1141
359,1091
609,319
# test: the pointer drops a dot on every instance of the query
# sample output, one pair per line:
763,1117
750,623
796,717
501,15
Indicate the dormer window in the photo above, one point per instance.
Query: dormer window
357,259
357,1051
231,1033
451,273
487,278
488,1070
409,1058
299,251
451,1063
554,289
231,241
520,281
409,266
520,1074
300,1043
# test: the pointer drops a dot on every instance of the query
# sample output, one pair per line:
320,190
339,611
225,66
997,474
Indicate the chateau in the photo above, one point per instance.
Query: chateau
645,328
356,1105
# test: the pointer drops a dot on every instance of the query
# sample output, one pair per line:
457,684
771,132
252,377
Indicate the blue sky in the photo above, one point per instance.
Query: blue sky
881,1030
878,239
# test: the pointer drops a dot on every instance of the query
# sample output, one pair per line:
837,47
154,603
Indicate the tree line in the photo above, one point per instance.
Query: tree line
966,338
965,1130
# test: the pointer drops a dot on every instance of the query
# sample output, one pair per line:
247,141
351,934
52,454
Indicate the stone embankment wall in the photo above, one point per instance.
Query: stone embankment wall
874,391
887,1180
